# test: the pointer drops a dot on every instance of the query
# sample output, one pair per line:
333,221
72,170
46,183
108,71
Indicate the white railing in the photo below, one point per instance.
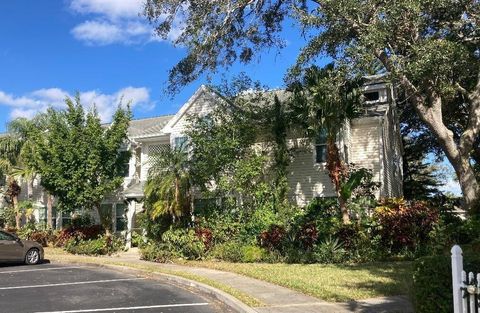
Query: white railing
466,289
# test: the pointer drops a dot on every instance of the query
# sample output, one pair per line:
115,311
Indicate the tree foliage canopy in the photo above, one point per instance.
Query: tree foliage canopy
80,161
428,48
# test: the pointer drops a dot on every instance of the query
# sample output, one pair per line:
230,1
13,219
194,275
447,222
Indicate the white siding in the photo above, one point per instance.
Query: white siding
308,180
38,194
201,106
365,145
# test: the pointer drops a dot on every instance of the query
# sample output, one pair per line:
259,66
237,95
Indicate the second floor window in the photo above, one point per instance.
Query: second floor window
321,147
180,143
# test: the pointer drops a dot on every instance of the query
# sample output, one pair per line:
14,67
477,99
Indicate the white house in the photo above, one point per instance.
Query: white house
371,141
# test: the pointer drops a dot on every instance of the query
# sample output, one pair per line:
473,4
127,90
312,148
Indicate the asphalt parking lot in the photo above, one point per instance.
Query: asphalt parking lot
54,288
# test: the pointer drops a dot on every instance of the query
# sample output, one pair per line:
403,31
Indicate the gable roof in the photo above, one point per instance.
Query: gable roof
184,109
148,127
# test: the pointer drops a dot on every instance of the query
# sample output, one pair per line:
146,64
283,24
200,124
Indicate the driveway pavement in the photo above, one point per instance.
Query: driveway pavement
55,288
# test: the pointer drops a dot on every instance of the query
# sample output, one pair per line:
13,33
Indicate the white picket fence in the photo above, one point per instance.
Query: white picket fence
466,288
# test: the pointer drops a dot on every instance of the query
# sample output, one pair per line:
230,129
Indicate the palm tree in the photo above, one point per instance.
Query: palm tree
324,104
9,151
167,191
17,152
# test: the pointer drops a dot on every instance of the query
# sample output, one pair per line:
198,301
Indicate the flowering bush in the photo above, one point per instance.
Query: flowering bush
405,225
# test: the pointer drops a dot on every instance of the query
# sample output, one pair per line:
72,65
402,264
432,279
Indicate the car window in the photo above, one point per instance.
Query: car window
5,236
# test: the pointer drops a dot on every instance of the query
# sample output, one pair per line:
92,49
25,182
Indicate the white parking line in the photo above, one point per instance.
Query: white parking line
69,284
131,308
43,269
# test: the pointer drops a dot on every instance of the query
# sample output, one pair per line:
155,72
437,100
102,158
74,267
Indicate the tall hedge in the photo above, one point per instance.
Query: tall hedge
432,282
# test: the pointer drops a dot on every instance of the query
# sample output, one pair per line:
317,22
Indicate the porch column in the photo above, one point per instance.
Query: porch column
130,215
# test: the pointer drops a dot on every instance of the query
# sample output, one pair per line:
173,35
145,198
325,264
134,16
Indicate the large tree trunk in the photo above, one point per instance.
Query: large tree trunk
336,169
457,153
49,211
428,106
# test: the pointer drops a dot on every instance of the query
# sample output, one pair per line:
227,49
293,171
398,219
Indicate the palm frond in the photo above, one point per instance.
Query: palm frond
5,165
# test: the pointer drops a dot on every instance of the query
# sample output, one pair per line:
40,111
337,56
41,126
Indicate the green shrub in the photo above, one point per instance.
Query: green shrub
251,254
185,242
329,251
296,255
260,220
432,282
155,252
7,216
154,227
137,239
229,251
82,220
225,226
238,252
100,246
324,213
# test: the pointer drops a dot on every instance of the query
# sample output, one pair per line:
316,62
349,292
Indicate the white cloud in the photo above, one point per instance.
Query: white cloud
39,100
101,33
10,100
115,21
113,9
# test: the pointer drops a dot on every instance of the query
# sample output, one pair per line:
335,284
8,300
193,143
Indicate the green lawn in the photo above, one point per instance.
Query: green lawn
335,283
328,282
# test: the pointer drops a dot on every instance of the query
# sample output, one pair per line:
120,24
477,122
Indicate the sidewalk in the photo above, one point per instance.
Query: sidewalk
275,299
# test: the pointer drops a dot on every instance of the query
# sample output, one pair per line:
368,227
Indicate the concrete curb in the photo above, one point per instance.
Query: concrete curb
228,300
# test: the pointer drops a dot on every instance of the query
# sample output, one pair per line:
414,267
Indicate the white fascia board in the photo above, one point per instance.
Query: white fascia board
139,138
183,110
374,86
155,137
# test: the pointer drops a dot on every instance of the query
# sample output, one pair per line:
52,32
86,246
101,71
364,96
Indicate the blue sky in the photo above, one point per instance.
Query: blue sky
102,49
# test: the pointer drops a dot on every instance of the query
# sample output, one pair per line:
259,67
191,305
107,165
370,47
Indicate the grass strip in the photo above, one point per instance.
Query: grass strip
331,282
